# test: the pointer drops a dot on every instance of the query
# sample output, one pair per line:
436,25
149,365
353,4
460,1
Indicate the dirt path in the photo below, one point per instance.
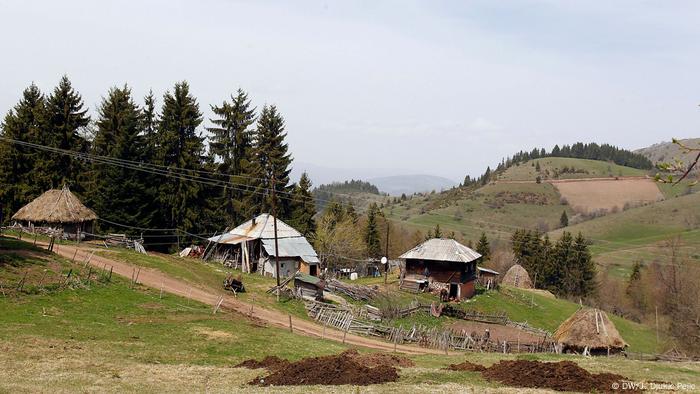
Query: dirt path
157,280
573,180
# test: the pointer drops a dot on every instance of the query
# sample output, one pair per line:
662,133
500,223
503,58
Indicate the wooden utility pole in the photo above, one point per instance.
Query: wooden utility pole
386,252
274,224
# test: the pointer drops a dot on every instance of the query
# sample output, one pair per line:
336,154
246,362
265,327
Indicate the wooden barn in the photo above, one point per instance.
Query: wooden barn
441,265
57,211
251,246
487,277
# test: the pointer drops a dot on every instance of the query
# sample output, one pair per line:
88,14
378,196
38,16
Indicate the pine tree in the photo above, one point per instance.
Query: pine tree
437,233
635,277
17,163
231,144
304,209
564,219
351,212
537,167
483,247
586,269
115,193
272,160
65,120
372,232
180,146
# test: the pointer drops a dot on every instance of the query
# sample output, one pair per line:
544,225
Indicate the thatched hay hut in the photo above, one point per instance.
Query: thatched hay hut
517,276
589,330
57,209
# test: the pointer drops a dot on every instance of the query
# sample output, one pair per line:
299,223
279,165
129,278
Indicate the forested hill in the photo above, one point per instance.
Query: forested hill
579,150
342,191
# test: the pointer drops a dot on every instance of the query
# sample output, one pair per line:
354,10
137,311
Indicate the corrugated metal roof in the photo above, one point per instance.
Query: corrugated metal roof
263,228
291,247
442,249
488,270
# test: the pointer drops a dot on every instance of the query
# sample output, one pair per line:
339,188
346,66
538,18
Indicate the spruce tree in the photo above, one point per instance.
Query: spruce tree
231,144
115,193
17,163
586,269
437,233
64,122
483,247
180,146
564,219
372,232
304,208
272,160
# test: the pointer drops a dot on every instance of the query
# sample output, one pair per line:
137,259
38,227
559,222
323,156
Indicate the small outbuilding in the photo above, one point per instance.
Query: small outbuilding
251,246
58,210
517,276
307,286
487,277
442,265
589,331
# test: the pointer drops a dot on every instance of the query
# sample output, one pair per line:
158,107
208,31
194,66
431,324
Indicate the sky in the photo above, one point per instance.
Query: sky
426,87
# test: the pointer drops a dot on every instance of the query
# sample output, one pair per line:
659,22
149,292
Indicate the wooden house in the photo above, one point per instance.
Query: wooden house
251,246
441,265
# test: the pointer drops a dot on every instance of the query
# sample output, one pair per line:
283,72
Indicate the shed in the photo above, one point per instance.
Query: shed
441,264
487,277
589,330
308,286
58,209
252,247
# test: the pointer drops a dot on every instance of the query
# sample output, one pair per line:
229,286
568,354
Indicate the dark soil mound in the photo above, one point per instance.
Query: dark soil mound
560,376
269,362
377,359
467,366
331,370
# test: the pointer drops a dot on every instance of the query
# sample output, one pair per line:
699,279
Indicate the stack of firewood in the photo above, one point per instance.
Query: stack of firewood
356,292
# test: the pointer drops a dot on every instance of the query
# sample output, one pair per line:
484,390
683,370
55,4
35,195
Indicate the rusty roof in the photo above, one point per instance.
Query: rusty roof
442,249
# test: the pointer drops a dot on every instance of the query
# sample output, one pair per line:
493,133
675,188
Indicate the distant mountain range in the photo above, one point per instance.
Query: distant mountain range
391,181
409,184
668,151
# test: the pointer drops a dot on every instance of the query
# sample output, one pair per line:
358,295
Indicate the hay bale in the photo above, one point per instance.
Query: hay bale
589,328
55,206
517,277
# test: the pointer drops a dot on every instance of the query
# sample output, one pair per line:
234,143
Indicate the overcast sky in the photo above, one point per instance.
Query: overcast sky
442,88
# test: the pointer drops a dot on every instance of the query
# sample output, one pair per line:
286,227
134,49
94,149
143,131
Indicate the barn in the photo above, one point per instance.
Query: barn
442,265
251,246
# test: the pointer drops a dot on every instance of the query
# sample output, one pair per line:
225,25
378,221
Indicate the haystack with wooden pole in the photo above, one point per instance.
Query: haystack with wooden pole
589,331
517,276
57,210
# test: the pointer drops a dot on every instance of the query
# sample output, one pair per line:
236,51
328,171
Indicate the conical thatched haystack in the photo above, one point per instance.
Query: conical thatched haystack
589,328
55,207
517,277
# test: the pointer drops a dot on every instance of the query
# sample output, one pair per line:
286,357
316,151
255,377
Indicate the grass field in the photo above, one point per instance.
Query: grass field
107,337
639,234
496,209
553,167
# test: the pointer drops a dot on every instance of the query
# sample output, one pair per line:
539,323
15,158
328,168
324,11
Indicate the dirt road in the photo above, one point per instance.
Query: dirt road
157,280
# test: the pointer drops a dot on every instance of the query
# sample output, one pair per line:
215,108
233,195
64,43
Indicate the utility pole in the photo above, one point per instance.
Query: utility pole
386,252
274,223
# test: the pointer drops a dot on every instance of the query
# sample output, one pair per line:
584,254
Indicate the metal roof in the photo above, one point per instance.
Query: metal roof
263,228
488,270
442,249
291,247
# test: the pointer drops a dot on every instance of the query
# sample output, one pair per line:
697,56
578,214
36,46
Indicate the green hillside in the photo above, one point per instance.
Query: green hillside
637,234
496,208
567,168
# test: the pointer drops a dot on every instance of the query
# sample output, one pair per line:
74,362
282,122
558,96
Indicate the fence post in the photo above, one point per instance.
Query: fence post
290,324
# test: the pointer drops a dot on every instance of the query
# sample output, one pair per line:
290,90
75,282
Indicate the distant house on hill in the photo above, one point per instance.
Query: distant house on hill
441,264
251,246
57,209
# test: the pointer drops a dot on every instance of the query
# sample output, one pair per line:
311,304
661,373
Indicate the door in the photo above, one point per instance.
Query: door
454,290
313,270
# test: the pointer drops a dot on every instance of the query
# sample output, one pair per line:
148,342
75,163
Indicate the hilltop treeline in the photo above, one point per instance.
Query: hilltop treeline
341,191
149,165
579,150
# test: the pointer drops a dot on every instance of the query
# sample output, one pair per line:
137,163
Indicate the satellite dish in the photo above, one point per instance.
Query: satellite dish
384,260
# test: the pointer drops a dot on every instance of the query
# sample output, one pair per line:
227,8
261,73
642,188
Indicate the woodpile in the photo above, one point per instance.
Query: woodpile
356,292
122,240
